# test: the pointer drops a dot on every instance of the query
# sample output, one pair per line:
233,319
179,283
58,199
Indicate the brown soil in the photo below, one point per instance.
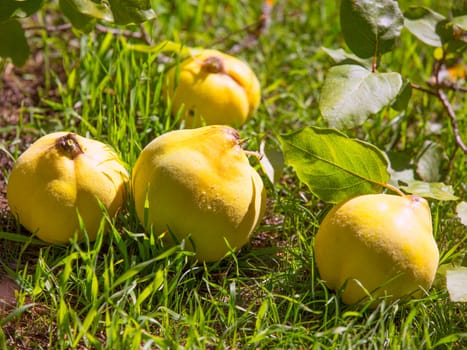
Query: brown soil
19,89
7,292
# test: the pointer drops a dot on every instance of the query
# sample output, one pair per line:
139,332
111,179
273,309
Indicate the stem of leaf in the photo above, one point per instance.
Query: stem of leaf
394,189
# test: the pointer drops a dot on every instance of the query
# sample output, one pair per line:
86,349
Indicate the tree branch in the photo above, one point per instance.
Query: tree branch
444,100
421,88
123,32
59,28
455,127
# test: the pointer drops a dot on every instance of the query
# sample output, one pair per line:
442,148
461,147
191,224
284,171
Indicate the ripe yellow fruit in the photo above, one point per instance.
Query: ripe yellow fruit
211,88
381,244
198,185
59,175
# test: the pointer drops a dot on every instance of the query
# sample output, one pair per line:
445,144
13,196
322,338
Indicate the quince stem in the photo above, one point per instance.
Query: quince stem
394,189
69,145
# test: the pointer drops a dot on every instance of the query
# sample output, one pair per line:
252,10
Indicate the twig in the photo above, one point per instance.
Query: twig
438,92
123,32
455,127
444,100
254,30
59,28
421,88
452,86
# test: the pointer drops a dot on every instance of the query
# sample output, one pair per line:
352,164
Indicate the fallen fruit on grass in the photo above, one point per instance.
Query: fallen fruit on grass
60,175
212,87
197,185
380,244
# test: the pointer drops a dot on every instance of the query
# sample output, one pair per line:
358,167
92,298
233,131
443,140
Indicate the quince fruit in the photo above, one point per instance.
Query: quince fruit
211,88
377,244
63,175
197,185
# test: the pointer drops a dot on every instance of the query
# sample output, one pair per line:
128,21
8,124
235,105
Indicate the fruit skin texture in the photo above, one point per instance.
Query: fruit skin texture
373,239
199,184
59,174
213,88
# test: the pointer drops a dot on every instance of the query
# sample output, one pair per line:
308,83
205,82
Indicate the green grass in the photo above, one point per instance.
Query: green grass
127,291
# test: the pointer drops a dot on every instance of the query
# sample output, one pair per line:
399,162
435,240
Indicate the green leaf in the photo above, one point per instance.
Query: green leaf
340,56
423,22
435,190
430,161
13,42
131,11
18,8
78,19
460,22
89,8
334,166
370,27
272,162
402,99
461,211
456,283
351,93
401,168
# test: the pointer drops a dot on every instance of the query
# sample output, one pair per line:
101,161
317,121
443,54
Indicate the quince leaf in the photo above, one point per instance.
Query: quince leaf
456,283
370,27
334,166
81,12
403,97
430,161
460,21
131,11
422,22
18,8
401,168
339,56
435,190
351,93
272,162
89,8
13,42
78,19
